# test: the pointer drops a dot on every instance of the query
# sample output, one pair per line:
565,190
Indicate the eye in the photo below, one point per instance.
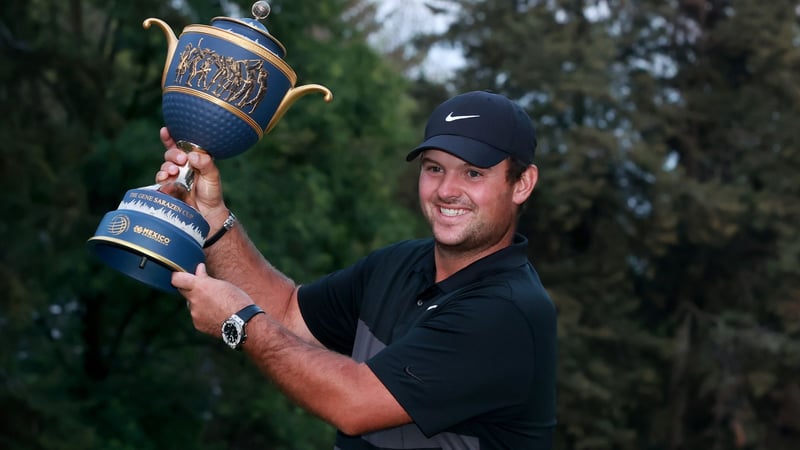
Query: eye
433,168
473,174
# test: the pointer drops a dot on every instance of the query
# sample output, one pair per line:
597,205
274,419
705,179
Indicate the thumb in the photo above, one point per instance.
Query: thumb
185,280
201,270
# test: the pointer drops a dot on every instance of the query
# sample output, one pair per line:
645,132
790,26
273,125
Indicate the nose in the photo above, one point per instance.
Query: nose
449,188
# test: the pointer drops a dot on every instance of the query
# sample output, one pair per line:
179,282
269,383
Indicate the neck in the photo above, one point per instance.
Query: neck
450,260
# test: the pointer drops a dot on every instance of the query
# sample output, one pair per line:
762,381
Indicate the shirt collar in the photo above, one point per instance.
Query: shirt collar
506,258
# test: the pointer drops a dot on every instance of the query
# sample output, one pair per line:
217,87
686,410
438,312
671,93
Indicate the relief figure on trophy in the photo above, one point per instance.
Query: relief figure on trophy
239,82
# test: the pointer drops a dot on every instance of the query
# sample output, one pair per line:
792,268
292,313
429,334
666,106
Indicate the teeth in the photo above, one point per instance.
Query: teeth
452,212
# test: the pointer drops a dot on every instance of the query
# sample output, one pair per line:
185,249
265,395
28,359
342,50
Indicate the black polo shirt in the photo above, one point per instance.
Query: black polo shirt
472,359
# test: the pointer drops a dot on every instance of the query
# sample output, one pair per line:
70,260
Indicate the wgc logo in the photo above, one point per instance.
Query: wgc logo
118,224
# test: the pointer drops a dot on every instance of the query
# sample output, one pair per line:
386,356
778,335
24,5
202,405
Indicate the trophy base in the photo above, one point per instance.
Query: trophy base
150,236
150,269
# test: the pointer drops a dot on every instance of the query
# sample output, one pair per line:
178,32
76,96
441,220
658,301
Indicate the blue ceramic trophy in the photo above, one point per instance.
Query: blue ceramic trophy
225,85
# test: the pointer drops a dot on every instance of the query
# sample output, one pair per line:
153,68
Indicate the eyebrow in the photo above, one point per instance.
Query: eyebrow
424,157
464,164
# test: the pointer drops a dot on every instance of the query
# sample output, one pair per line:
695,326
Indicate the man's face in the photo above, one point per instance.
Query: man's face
470,209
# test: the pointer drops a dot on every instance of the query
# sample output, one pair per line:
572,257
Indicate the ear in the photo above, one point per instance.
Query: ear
524,186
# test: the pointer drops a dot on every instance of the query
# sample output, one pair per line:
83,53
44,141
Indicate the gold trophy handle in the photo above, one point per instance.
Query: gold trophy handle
172,42
292,96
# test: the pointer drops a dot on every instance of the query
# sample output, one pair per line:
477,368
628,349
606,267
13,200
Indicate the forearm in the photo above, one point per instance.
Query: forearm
235,258
332,386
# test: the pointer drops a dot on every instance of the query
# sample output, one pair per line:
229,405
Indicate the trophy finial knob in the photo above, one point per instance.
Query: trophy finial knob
261,10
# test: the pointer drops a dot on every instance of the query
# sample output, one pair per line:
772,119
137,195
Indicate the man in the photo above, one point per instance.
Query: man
445,343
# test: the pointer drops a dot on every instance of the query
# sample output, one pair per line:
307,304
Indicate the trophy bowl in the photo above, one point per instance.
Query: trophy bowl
224,87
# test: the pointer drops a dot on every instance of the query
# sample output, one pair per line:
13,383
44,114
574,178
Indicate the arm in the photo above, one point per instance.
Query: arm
332,386
328,384
234,257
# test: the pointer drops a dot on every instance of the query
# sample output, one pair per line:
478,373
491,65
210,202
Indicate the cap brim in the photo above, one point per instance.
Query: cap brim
474,152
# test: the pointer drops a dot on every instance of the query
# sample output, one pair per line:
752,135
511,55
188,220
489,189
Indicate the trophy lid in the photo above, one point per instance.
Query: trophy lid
253,29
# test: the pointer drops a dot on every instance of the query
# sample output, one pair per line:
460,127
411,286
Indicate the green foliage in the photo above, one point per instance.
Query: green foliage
96,360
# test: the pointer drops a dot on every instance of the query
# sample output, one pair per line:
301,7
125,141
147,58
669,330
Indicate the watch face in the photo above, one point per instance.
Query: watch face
230,333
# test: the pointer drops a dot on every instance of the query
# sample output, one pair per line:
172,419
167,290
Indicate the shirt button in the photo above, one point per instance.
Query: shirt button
419,302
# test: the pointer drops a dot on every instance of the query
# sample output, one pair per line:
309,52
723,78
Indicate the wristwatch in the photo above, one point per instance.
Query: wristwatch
227,225
233,329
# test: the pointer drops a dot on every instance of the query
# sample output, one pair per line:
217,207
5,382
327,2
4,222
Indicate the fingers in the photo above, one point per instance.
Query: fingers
166,138
186,281
210,301
183,281
206,193
201,161
175,158
169,169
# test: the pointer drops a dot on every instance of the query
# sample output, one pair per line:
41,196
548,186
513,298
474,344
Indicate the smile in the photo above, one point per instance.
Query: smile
450,212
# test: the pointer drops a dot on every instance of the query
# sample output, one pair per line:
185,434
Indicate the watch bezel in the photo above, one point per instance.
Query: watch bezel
237,324
238,321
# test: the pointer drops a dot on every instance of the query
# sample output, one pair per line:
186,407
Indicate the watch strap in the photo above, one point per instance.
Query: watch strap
227,225
248,312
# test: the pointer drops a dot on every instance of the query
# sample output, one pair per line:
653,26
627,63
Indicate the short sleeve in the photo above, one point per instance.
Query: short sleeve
330,307
473,356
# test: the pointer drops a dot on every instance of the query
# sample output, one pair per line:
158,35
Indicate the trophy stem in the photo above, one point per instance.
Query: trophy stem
186,178
182,186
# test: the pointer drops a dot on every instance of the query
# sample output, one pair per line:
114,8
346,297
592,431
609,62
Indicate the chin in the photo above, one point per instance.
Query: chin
450,239
448,243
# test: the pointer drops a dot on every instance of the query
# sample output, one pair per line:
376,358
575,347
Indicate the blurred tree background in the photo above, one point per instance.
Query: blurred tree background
664,224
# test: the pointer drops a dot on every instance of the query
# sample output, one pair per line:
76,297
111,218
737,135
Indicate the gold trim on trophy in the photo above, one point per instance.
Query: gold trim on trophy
245,24
222,103
126,245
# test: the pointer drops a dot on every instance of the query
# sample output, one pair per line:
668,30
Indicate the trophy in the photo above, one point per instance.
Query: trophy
225,85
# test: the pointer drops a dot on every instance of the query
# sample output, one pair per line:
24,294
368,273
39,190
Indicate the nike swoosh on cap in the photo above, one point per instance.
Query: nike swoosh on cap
451,118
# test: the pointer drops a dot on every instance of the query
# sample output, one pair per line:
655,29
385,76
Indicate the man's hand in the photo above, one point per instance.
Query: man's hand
206,193
210,300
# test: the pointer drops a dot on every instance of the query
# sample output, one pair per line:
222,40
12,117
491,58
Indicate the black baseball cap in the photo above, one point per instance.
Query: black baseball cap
480,127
